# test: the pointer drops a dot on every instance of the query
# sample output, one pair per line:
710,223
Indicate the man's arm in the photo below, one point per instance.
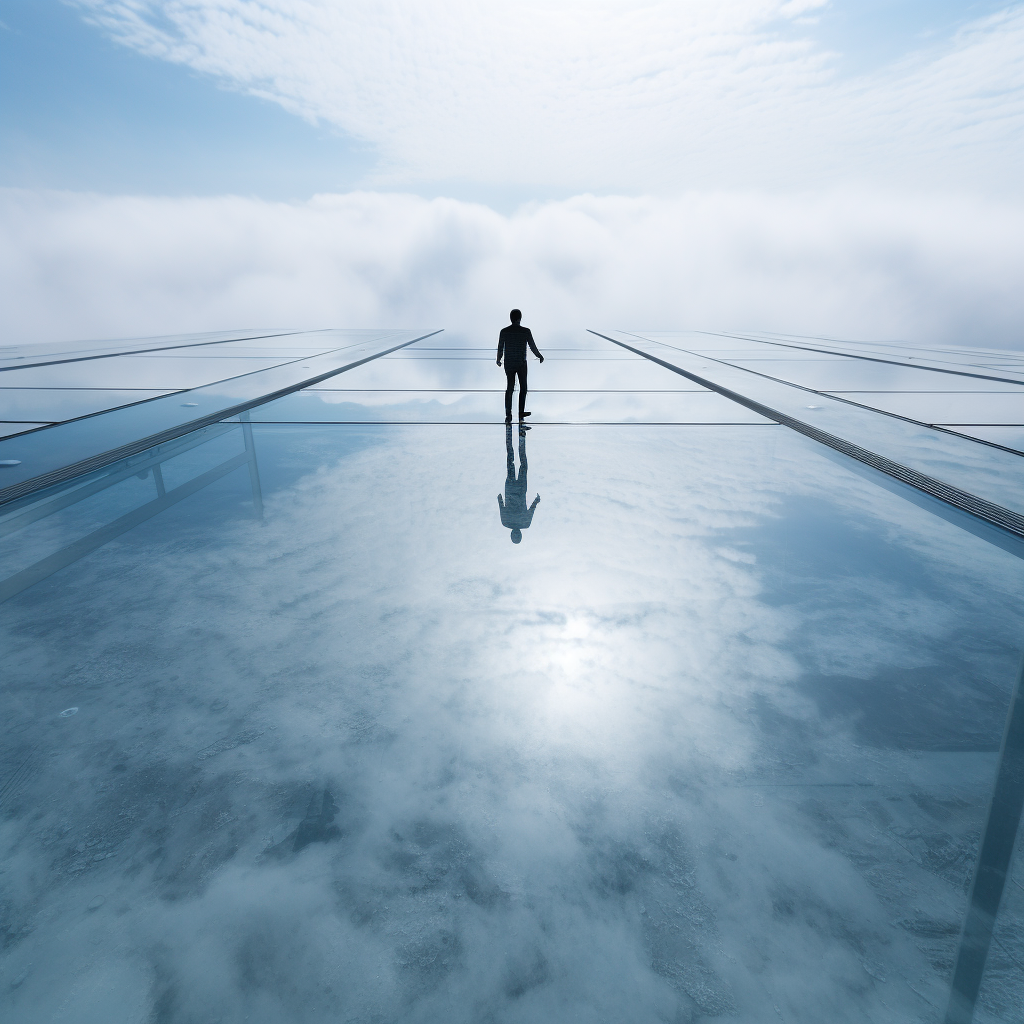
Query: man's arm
501,346
533,347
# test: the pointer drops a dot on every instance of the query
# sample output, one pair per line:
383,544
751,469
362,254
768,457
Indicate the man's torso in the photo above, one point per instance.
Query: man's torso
515,339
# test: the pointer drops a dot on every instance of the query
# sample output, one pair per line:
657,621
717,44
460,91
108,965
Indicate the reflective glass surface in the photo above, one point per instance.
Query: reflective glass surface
9,429
841,375
172,363
435,721
948,407
487,407
947,358
481,373
1009,437
58,351
244,350
982,470
51,405
59,448
168,371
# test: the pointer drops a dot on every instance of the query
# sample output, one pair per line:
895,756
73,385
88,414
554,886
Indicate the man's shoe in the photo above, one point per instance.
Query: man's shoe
508,419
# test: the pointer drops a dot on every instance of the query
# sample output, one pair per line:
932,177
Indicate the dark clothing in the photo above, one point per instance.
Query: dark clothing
511,372
513,510
512,342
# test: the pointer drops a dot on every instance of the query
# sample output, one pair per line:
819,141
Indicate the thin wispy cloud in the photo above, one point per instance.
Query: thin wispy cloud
608,95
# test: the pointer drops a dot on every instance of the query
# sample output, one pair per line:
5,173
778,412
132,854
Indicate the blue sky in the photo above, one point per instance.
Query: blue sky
82,112
94,100
867,34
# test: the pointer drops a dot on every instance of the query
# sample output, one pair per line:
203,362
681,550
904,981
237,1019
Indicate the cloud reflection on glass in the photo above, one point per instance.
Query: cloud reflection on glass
719,738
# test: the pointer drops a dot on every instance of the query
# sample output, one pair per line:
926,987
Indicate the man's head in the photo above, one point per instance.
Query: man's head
517,535
515,316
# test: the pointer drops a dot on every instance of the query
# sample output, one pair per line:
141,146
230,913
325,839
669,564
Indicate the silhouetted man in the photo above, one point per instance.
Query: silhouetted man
512,342
515,516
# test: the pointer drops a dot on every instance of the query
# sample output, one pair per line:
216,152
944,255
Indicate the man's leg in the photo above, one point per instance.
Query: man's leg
522,392
510,383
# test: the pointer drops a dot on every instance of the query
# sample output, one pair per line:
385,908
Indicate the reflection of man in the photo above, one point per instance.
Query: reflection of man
515,516
512,342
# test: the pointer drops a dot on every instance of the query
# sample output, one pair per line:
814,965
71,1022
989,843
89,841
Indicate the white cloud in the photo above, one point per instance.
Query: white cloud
849,264
608,95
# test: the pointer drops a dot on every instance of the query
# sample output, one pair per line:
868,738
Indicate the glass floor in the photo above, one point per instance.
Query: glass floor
356,705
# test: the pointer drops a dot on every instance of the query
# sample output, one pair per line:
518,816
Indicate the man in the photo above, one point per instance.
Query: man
512,342
515,515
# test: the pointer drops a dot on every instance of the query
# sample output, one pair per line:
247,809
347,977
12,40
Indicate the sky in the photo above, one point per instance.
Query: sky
844,166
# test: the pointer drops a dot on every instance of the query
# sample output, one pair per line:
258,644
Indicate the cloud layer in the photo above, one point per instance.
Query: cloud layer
850,264
611,95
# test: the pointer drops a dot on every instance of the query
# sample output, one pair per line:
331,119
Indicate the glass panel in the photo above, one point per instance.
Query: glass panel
489,354
10,429
553,342
183,361
55,449
12,355
56,525
1002,992
477,374
488,407
769,352
980,470
240,351
831,370
718,734
860,375
166,372
964,360
1008,437
959,407
217,342
52,405
780,357
298,344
